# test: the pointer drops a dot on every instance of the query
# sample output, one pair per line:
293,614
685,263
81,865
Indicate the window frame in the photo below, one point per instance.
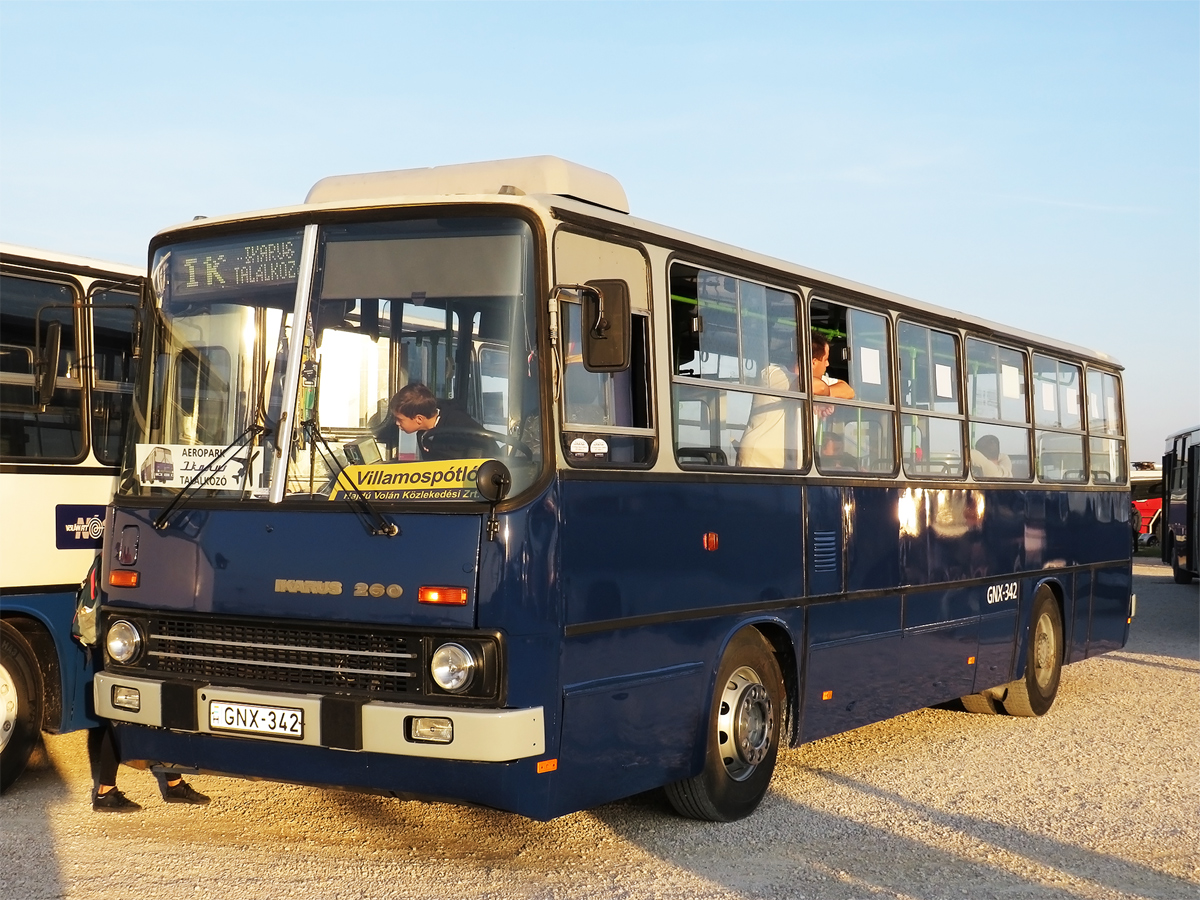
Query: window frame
798,395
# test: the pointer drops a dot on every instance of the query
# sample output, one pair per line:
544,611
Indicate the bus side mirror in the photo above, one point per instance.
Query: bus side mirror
493,481
606,326
47,364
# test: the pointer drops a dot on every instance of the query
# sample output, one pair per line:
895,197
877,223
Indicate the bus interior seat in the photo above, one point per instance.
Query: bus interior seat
707,456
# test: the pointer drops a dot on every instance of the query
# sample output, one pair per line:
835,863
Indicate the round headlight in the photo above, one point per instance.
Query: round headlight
123,641
453,668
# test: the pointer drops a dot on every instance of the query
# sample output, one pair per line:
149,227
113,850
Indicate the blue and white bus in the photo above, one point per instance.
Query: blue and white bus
67,362
669,558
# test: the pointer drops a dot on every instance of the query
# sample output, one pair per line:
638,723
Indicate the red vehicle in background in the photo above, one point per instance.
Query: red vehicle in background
1146,491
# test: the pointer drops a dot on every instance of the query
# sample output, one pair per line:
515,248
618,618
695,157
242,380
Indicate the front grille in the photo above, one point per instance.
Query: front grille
325,657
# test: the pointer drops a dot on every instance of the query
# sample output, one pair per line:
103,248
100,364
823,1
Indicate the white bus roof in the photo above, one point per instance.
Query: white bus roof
32,255
546,183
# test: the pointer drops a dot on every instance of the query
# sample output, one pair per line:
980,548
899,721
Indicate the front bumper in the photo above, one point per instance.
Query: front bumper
500,735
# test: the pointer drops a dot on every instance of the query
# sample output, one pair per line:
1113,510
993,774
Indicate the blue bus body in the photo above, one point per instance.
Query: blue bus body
620,650
653,606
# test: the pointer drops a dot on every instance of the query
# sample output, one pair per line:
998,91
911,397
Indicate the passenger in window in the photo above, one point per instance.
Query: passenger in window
444,431
987,460
823,385
763,442
833,453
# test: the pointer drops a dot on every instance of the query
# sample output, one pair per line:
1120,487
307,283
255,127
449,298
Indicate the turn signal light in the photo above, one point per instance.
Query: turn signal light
445,596
126,578
711,541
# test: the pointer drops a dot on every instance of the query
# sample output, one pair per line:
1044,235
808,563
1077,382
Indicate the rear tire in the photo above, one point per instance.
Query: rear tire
983,704
20,704
742,735
1034,694
1182,576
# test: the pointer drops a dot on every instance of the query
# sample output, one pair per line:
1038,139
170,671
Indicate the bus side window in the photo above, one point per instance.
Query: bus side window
1058,415
851,435
597,406
27,432
113,323
1106,449
931,429
736,395
996,406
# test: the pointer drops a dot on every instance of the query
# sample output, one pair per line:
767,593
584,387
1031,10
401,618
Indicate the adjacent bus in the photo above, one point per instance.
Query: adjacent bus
67,363
1146,492
670,556
1181,507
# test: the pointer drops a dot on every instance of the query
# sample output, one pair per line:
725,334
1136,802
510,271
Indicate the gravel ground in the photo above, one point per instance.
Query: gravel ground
1098,799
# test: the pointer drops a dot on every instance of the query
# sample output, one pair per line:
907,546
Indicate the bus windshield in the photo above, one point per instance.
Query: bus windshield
437,307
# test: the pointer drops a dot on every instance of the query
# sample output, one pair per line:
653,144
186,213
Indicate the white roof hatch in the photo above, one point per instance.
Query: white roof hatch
526,175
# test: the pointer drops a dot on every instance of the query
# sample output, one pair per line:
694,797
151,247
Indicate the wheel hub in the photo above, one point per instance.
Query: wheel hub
9,706
745,724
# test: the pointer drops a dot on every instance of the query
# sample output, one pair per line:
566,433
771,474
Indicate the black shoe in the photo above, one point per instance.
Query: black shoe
183,793
113,801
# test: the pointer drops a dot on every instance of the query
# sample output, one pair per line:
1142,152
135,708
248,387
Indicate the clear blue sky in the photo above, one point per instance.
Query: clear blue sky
1033,163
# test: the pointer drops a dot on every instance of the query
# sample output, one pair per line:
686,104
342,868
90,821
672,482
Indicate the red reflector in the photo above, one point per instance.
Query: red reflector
710,541
126,578
452,596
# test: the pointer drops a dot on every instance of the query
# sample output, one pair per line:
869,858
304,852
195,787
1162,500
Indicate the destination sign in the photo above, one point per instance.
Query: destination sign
233,265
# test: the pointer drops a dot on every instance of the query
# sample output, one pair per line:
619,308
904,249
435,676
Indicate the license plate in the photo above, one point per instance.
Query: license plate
274,720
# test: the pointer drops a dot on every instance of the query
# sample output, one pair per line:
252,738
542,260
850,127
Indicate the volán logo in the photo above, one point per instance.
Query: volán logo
288,586
78,527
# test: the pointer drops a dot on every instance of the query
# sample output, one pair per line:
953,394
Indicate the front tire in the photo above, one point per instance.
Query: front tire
20,704
741,737
1034,694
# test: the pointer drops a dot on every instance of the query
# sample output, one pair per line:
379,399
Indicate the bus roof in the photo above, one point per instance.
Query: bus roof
14,253
550,183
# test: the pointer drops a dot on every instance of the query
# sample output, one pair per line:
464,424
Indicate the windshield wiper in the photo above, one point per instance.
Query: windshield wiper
239,443
376,523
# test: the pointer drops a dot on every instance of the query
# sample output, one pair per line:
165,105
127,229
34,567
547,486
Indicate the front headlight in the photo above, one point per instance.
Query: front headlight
123,642
453,668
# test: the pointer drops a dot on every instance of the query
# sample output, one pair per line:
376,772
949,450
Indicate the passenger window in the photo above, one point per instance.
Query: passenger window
931,440
736,395
1106,450
114,320
850,436
28,429
996,395
1056,405
1104,403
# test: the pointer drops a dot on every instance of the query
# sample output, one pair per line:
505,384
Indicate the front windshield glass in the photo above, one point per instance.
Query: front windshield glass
418,362
216,351
437,311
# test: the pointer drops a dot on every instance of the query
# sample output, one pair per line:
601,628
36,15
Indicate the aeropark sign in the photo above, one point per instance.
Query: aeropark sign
78,527
450,480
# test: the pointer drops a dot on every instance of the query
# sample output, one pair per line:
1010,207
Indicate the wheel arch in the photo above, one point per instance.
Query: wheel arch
782,644
1059,593
37,633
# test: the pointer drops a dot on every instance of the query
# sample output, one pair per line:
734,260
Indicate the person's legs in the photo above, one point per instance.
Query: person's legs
104,759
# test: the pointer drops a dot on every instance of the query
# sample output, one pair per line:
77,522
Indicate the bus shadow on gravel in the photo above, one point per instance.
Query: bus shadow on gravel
768,856
26,870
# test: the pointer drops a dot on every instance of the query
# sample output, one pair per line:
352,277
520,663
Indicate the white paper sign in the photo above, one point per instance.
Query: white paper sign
1047,396
1011,381
945,383
174,465
1072,404
868,365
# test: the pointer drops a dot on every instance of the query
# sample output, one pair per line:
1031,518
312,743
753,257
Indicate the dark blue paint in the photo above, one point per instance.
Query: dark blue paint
615,615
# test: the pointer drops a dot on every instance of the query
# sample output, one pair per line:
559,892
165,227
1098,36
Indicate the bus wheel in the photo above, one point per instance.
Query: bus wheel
985,704
1034,694
20,704
742,735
